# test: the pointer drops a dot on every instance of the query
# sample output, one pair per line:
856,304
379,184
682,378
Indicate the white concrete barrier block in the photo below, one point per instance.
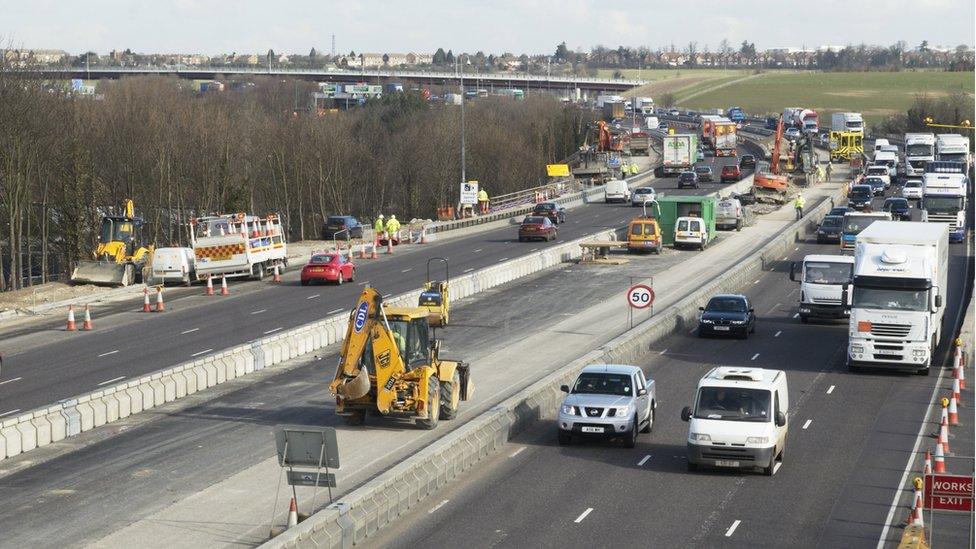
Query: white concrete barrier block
111,407
248,358
179,378
28,436
302,344
275,353
202,377
213,377
11,441
240,364
169,388
225,367
158,392
59,426
87,415
125,403
292,345
99,413
135,399
147,396
42,426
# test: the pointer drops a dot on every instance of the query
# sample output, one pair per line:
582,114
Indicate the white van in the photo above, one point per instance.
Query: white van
173,265
691,231
879,143
616,190
652,122
739,419
889,159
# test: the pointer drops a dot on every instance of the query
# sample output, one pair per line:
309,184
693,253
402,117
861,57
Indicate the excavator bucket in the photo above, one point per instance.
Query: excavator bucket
102,273
353,388
352,381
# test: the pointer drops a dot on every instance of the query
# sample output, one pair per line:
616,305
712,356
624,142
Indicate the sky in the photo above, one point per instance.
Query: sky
491,26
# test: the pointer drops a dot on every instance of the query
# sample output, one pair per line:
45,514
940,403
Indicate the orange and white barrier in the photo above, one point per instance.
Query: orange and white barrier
953,412
939,463
277,274
944,436
293,513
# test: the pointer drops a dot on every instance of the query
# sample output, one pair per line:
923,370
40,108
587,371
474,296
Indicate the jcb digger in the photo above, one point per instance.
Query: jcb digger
389,365
120,256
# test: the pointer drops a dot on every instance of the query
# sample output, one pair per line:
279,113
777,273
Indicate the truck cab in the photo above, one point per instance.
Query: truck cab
919,150
855,222
691,232
739,419
944,198
822,279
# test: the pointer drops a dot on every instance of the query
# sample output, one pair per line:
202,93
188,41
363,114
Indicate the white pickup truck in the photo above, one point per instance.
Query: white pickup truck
607,401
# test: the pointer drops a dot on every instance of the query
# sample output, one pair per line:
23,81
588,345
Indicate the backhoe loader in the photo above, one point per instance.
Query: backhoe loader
436,297
389,365
120,256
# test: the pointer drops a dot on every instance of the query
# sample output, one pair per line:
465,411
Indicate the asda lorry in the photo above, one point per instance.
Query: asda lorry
679,152
898,295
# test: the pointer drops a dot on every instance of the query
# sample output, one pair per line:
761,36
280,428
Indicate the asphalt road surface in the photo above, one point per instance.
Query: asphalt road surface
45,363
849,439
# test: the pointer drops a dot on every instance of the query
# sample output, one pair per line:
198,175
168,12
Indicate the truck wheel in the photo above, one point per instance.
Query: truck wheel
650,420
357,417
631,440
451,396
433,404
258,272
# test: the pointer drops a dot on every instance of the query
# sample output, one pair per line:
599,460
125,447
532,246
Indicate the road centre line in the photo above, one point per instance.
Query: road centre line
438,506
517,452
777,333
731,530
580,518
313,296
773,309
11,380
755,356
113,380
807,424
469,270
830,389
756,281
478,250
503,259
108,353
201,352
190,331
334,311
14,411
644,460
407,270
259,311
273,330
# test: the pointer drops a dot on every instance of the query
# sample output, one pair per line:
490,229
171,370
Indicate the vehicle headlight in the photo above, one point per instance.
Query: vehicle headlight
701,437
622,411
707,321
857,348
738,322
919,352
757,440
569,410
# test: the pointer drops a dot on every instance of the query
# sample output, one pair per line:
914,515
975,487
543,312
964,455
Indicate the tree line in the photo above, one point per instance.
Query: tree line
67,160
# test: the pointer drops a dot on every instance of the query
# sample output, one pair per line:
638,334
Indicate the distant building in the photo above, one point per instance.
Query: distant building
22,58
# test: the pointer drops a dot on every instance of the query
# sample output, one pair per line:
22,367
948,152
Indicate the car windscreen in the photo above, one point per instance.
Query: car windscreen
603,384
855,225
687,177
874,181
821,272
896,203
534,221
545,207
322,259
336,220
733,404
643,190
726,305
892,299
860,193
702,169
913,184
832,222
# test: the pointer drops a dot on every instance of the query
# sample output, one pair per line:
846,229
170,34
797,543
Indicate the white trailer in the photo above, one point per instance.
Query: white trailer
952,147
238,245
898,296
919,149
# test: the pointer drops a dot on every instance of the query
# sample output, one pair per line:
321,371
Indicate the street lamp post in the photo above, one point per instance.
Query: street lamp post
461,80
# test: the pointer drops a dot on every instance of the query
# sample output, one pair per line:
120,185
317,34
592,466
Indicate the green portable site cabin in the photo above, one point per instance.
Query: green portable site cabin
673,207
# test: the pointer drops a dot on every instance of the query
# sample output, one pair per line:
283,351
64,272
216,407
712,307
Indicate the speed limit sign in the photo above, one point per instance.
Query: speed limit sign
640,296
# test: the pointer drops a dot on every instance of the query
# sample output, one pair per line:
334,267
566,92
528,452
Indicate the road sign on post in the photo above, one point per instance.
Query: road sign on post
640,296
469,193
949,493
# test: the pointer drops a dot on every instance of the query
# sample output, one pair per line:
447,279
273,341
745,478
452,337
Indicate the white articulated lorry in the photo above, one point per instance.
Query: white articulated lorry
898,296
919,149
952,147
822,279
944,187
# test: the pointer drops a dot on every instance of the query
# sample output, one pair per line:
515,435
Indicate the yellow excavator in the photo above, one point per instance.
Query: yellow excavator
390,365
120,256
436,296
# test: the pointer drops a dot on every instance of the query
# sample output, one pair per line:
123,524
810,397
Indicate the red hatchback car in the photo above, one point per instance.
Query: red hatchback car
534,227
731,172
329,267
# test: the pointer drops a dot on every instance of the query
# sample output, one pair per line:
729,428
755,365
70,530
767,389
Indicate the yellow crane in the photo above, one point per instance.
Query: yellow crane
390,365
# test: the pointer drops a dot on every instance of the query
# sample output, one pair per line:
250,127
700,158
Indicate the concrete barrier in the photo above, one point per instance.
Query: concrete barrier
379,501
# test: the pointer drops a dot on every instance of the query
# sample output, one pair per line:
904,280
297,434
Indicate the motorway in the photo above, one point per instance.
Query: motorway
44,363
849,438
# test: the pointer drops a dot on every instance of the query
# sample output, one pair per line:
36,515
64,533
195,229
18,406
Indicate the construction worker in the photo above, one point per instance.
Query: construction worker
829,169
392,227
378,226
798,203
633,168
483,200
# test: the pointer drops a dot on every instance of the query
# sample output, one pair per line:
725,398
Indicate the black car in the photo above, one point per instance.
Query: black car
688,179
899,208
830,229
727,314
555,212
860,196
335,226
877,185
839,211
747,161
771,123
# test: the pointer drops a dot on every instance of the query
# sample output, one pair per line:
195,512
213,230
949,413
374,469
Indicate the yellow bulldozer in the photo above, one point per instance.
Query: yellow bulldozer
389,365
120,256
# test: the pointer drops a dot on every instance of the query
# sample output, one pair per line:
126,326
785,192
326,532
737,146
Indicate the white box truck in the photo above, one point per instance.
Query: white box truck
944,197
847,122
679,152
238,245
952,147
898,296
822,279
919,149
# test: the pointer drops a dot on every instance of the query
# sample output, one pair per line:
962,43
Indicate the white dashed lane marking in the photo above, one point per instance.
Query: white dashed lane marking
113,380
755,356
108,353
731,530
201,352
10,380
643,460
580,518
807,424
190,331
830,389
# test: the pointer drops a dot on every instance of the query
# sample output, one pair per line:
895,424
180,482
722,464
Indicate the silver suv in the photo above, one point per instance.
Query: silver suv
607,400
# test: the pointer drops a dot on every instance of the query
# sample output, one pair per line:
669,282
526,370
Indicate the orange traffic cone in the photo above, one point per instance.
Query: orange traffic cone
210,290
292,513
423,234
956,395
145,301
223,286
87,324
160,306
389,243
916,518
71,319
376,246
277,274
961,372
944,436
927,468
939,464
953,411
362,250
